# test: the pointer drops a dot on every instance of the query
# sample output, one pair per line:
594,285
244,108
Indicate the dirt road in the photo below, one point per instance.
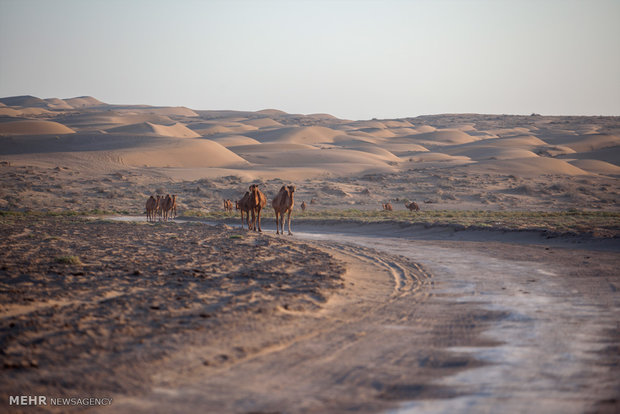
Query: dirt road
432,321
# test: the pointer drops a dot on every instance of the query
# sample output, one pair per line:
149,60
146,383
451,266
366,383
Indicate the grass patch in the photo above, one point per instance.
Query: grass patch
236,236
70,260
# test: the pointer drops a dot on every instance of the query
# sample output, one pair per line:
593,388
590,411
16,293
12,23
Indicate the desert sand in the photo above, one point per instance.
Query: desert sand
193,315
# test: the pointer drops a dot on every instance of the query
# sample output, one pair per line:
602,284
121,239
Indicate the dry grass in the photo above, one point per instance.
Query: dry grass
598,224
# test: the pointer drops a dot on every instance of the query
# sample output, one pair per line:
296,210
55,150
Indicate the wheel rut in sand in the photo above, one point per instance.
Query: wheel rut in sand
360,345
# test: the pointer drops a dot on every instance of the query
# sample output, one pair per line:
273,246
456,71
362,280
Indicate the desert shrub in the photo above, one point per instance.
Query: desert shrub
71,260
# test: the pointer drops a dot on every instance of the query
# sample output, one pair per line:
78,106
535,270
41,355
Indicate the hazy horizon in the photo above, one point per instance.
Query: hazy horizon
354,60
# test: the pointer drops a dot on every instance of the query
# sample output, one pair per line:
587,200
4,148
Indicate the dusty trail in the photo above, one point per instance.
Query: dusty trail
527,327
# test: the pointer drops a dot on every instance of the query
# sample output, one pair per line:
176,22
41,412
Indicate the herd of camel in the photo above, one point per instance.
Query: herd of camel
252,202
162,208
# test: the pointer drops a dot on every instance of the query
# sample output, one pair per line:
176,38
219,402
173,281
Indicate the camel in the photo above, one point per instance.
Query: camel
228,206
257,202
167,206
243,205
283,203
173,207
413,206
158,204
303,206
387,207
151,207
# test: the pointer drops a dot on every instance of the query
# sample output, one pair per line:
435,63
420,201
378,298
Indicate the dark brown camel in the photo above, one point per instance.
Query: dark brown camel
413,206
258,201
243,205
387,207
303,206
151,207
283,203
228,206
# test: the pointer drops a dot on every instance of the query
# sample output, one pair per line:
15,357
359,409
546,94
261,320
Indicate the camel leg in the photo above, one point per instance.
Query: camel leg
258,219
277,224
241,219
289,223
253,227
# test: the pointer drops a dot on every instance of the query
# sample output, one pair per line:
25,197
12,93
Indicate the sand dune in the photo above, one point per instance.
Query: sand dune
24,101
33,127
109,119
597,167
234,140
147,128
587,143
493,152
378,132
439,157
190,153
56,103
83,102
297,135
443,137
529,167
262,122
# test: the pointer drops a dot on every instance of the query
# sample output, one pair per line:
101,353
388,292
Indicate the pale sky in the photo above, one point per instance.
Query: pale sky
352,59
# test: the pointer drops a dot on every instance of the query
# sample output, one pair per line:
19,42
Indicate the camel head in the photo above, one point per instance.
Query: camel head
291,189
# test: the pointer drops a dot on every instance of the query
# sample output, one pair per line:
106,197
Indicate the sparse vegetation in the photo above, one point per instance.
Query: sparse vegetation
70,260
597,223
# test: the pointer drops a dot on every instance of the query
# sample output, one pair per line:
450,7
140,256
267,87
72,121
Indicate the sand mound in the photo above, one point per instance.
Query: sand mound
586,143
494,153
397,124
597,167
438,157
265,148
444,137
4,111
56,103
366,124
297,135
271,112
262,122
190,153
234,140
378,132
403,131
293,156
33,127
534,166
425,128
148,128
83,102
24,101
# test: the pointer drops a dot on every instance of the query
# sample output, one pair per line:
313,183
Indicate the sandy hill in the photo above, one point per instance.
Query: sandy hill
443,137
83,102
297,135
262,122
57,104
190,153
148,128
271,112
33,127
24,101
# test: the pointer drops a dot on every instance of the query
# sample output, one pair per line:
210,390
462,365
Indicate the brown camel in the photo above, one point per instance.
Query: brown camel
387,207
151,207
166,206
303,206
257,202
283,203
173,207
243,205
413,206
158,206
228,206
